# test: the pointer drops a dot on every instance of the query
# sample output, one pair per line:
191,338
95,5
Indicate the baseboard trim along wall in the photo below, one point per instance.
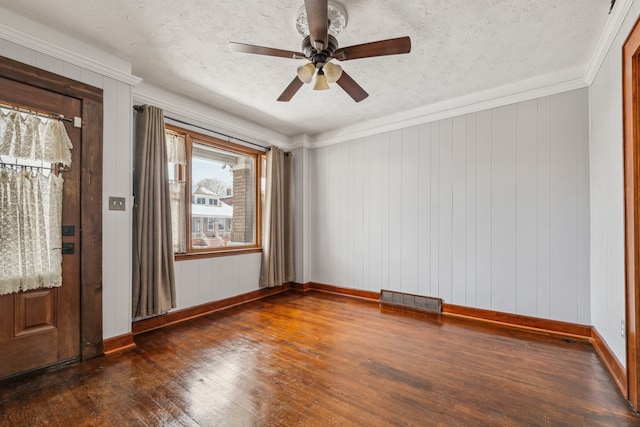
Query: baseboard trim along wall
118,344
499,319
554,327
356,293
618,372
520,321
178,316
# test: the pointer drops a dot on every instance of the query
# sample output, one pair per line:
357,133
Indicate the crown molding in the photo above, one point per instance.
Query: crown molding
201,114
113,67
611,30
108,65
575,78
302,141
538,87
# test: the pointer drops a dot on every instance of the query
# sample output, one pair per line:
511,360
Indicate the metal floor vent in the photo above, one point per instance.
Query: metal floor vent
416,302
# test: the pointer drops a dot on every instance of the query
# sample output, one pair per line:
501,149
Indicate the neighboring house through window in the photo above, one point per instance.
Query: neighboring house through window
224,208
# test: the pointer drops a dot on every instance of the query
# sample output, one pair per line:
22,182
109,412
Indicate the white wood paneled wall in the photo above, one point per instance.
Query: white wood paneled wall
211,279
607,194
487,210
301,199
117,180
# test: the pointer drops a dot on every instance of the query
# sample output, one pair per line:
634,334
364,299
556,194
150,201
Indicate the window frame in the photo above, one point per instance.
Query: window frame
183,173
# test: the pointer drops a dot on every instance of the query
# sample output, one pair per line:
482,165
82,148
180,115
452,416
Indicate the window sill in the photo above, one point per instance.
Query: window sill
228,252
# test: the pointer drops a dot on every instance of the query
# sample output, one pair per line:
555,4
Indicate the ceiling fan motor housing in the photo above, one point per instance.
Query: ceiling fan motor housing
319,58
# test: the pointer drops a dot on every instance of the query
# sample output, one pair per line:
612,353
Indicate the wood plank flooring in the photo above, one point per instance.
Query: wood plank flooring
325,360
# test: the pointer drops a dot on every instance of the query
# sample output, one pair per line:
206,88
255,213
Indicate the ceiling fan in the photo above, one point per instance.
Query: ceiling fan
322,21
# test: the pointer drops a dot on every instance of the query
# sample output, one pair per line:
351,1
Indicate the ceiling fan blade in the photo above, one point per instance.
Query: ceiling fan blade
379,48
351,87
317,16
291,90
259,50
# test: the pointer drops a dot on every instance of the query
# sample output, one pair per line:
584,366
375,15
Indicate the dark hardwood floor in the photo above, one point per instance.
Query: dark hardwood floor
324,360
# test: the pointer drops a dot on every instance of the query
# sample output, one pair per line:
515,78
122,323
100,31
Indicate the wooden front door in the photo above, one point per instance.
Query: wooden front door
41,327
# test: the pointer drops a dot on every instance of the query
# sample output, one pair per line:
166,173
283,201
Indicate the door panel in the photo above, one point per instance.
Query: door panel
34,312
42,327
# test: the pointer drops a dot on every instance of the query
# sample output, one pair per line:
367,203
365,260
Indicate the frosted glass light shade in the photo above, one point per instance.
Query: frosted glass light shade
332,72
305,72
321,81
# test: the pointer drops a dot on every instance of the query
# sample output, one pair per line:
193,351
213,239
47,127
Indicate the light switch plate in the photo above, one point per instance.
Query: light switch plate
117,203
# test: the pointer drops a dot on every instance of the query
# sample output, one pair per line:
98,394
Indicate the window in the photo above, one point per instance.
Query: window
224,209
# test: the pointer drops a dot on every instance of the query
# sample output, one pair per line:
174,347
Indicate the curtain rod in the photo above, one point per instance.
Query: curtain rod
35,111
138,108
18,166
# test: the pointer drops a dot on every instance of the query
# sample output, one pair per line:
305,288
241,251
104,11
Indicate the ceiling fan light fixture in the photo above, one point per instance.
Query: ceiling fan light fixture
321,81
332,71
305,72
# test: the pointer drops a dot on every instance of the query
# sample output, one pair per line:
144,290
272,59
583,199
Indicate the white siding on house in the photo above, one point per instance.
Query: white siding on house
484,210
607,194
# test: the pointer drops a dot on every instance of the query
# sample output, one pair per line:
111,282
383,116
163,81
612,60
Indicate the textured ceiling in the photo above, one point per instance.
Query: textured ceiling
458,47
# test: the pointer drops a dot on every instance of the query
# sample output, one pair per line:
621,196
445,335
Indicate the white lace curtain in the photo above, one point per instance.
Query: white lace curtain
177,155
31,201
176,152
178,229
29,137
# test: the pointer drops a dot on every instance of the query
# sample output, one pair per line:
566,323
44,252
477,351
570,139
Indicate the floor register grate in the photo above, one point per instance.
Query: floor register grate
416,302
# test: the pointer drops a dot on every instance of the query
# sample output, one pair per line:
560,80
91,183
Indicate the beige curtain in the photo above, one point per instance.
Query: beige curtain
277,244
154,289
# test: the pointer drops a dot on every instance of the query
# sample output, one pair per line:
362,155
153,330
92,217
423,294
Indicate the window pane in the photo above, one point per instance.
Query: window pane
223,198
